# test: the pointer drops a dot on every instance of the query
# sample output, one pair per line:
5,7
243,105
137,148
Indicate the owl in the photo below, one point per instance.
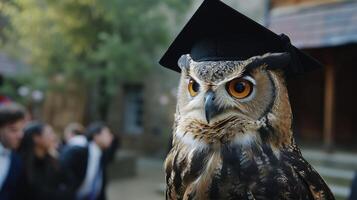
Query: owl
232,135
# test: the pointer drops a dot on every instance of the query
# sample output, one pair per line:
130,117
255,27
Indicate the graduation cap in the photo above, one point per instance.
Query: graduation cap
218,32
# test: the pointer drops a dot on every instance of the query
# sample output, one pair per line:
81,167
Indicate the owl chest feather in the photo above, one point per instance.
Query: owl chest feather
231,171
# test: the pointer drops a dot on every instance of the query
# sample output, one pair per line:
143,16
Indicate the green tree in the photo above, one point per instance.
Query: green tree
97,43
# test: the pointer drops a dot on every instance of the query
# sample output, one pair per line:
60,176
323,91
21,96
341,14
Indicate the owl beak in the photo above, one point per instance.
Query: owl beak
211,109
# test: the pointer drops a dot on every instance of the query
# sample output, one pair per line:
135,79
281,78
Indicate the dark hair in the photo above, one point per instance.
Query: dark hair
11,113
27,143
27,152
77,132
94,129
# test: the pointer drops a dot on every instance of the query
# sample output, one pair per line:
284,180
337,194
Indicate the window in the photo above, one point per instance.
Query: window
133,109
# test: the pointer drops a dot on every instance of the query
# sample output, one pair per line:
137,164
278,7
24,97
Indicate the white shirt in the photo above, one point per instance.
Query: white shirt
5,160
78,140
93,167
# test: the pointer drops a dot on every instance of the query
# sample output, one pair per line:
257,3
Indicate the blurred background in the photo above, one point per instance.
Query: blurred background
86,60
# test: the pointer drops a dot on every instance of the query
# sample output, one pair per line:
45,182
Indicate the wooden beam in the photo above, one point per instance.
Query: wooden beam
329,107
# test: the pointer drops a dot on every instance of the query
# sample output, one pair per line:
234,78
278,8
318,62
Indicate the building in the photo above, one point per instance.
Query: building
143,112
323,101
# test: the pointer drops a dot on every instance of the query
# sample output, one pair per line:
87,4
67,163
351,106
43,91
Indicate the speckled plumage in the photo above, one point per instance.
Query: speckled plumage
247,151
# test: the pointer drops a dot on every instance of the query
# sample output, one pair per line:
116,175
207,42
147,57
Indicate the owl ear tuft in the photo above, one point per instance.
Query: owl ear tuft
184,62
271,60
277,60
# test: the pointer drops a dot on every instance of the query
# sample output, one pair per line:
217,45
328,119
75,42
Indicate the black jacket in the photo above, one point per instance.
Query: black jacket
353,195
14,184
74,160
46,180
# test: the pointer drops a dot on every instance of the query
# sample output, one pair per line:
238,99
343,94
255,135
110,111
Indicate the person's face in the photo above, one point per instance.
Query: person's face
11,134
104,138
48,139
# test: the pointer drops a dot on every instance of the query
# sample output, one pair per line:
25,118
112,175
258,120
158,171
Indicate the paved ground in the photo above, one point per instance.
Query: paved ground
147,185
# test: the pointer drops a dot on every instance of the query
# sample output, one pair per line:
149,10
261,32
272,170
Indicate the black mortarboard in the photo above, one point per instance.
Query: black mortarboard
218,32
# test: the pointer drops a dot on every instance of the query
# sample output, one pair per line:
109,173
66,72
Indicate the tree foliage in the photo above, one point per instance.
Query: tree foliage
89,40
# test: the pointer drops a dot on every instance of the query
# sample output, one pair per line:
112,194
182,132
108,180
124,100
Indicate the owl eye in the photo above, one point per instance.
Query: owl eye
239,88
193,87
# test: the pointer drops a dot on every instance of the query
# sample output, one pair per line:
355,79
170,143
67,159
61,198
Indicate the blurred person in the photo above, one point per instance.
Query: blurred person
353,195
43,175
12,121
74,134
87,164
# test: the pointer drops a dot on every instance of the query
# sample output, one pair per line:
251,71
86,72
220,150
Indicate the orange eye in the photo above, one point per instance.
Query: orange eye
193,87
239,88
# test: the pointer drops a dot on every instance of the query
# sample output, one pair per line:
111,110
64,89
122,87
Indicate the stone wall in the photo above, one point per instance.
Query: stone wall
65,105
159,101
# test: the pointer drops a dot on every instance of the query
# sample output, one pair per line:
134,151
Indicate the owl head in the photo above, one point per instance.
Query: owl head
219,101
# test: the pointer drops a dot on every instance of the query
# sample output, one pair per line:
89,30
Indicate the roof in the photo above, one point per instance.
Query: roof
318,26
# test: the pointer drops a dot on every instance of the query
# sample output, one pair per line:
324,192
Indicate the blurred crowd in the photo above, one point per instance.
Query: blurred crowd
36,164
